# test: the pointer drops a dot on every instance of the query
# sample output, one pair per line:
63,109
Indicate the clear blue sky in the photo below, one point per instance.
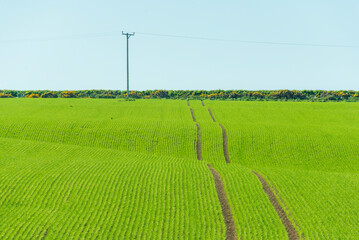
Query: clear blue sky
52,60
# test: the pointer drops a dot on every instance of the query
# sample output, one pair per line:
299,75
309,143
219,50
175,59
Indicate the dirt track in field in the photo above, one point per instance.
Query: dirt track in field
225,138
286,208
225,144
226,210
222,197
194,119
210,113
292,232
199,136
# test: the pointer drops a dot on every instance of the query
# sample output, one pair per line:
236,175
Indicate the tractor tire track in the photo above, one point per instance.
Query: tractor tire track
225,138
199,136
193,118
210,113
287,210
291,231
226,210
225,144
202,103
222,197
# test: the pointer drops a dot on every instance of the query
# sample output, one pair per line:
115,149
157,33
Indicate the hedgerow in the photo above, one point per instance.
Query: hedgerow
32,95
240,95
49,95
5,95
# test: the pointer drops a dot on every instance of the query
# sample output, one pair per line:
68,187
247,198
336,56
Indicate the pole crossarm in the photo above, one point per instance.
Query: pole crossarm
127,34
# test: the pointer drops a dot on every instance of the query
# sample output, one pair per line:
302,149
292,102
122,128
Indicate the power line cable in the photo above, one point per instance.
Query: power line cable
64,37
250,42
117,33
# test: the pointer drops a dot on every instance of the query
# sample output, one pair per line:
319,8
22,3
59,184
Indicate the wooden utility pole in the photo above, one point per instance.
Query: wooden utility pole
128,35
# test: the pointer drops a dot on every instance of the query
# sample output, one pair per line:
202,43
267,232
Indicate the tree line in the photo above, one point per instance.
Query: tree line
243,95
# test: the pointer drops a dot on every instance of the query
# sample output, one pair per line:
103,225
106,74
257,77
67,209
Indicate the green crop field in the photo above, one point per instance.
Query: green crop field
115,169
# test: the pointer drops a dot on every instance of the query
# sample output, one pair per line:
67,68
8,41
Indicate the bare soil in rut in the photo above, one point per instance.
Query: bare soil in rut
192,113
226,210
210,113
292,232
225,144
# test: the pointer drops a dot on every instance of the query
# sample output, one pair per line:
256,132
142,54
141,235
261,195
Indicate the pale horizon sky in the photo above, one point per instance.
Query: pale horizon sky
75,45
